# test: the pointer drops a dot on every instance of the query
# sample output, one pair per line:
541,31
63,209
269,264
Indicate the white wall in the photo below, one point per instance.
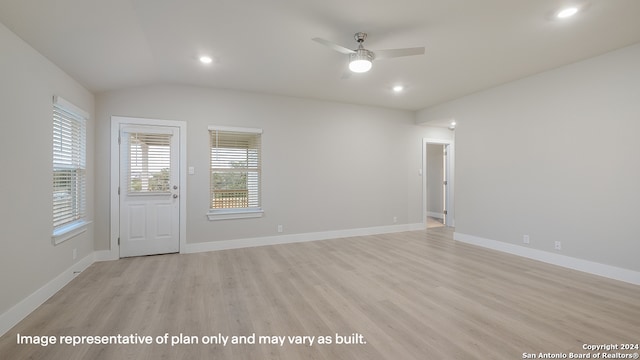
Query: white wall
326,166
28,260
529,160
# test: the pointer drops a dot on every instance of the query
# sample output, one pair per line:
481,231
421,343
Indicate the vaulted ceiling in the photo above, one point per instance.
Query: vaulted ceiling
265,45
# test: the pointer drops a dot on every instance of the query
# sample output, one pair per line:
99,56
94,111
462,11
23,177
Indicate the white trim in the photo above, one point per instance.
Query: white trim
147,129
235,129
214,214
69,231
608,271
449,206
436,215
116,121
104,255
68,106
22,309
296,238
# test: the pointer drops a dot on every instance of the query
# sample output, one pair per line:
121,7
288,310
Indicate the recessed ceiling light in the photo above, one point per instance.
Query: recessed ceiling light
398,88
568,12
206,59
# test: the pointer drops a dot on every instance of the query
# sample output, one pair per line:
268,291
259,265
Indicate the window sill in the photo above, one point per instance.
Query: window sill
214,215
67,232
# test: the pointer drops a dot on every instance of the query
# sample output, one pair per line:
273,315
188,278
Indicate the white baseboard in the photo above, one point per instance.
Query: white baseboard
608,271
435,215
295,238
19,311
105,255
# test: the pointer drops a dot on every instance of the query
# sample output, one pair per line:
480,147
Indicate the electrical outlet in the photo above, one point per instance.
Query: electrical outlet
525,239
558,245
280,228
395,219
75,253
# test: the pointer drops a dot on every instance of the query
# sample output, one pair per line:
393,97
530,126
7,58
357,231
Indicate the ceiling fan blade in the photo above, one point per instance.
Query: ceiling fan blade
393,53
336,47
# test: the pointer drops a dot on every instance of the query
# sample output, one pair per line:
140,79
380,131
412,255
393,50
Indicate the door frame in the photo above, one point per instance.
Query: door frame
449,173
116,122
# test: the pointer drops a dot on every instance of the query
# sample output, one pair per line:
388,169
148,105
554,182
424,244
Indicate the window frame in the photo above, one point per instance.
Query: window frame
243,212
70,112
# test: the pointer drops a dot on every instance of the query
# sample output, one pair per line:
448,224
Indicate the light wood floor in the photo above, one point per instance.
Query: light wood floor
414,295
434,222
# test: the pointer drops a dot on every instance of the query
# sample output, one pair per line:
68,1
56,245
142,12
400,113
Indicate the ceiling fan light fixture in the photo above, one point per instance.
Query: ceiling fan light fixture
360,61
360,66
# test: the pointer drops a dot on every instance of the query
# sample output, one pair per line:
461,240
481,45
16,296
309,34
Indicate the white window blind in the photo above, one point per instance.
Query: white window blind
149,163
69,164
236,168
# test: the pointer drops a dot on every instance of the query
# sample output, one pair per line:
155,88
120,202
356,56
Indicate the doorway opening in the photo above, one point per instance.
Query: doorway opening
438,184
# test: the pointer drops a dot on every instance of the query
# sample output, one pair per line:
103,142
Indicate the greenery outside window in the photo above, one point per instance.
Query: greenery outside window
235,172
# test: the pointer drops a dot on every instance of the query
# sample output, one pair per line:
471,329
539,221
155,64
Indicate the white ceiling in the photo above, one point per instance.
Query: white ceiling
265,45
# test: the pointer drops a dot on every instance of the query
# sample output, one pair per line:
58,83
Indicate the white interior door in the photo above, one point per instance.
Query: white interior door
149,190
445,184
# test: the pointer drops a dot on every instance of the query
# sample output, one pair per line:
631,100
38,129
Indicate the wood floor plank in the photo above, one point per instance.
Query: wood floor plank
412,295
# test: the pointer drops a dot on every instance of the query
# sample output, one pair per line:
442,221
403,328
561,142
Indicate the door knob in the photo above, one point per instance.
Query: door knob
175,187
175,196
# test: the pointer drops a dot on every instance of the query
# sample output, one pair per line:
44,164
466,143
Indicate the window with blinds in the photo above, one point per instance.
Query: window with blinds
235,169
69,164
149,163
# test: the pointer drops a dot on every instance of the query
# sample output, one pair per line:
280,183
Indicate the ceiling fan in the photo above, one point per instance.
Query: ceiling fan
360,59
